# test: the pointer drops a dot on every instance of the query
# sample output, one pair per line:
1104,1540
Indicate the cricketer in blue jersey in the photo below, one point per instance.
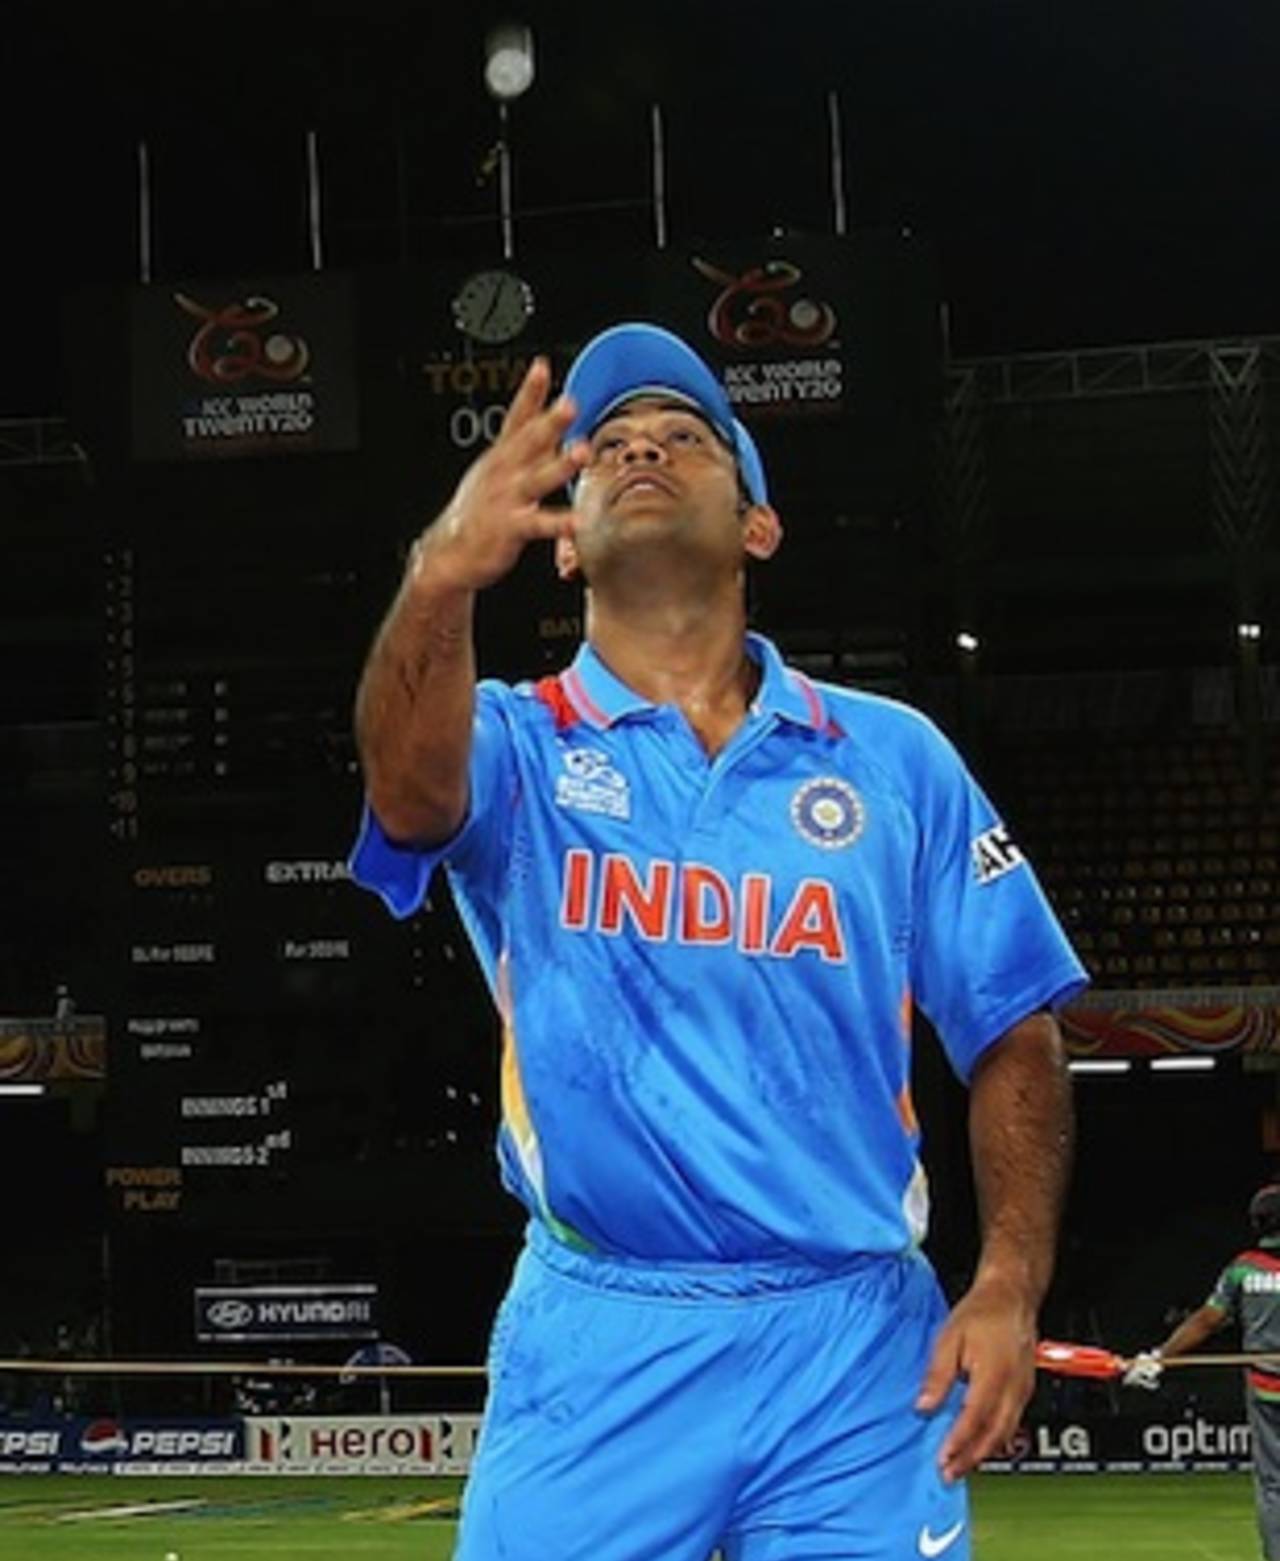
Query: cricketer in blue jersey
707,894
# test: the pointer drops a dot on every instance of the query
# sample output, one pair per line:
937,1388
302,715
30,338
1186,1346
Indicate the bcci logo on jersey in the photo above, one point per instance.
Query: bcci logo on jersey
828,813
592,785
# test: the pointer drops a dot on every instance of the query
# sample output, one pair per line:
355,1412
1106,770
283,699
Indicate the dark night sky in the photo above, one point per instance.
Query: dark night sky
1089,173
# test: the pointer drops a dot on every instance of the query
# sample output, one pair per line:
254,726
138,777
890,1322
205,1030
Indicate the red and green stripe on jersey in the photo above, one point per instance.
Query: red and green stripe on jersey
1248,1290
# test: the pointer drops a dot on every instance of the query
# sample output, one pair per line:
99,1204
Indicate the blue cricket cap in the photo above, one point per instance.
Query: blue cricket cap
633,360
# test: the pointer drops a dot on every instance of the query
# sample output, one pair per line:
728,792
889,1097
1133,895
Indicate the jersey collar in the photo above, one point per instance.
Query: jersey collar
602,698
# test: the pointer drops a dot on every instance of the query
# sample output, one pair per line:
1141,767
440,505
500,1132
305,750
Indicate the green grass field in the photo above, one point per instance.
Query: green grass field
1032,1518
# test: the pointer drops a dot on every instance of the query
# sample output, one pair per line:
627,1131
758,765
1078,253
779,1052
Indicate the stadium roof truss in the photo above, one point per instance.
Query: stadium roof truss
39,441
1093,372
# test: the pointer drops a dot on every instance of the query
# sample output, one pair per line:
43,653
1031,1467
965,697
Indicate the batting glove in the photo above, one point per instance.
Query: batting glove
1144,1371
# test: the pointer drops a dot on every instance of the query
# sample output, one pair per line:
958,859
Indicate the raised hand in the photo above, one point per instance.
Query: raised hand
499,506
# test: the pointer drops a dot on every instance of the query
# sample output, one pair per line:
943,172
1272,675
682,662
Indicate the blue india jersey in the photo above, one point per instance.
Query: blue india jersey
706,967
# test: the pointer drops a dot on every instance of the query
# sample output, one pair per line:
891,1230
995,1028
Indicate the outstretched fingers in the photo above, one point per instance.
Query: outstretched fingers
554,471
498,506
530,397
548,522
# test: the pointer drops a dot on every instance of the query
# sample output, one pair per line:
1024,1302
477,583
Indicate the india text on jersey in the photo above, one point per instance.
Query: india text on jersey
689,902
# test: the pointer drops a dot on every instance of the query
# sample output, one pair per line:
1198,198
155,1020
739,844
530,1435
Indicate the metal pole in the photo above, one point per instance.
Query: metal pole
402,194
504,183
659,177
837,164
313,201
195,1368
107,1308
144,214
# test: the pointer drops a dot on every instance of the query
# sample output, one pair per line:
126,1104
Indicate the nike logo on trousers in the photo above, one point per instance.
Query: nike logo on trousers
930,1544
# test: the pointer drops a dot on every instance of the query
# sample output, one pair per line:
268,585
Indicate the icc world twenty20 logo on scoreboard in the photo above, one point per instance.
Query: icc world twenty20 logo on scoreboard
229,344
234,345
750,310
243,368
776,329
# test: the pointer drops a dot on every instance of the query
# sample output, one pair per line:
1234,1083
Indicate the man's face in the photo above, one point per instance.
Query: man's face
658,474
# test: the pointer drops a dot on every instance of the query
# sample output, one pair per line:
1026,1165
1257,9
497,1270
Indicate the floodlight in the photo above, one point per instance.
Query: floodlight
508,61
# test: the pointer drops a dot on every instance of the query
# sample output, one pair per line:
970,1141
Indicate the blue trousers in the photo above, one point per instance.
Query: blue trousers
655,1412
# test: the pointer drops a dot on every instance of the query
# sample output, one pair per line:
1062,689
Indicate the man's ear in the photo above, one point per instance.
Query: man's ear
761,531
566,558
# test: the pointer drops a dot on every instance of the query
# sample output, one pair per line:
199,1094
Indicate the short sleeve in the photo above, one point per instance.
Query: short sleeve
399,873
987,949
1225,1294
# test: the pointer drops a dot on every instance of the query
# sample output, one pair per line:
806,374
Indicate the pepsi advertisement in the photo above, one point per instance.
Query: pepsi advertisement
105,1445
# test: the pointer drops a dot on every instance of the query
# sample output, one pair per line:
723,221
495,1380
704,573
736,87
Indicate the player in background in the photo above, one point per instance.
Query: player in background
1247,1294
706,893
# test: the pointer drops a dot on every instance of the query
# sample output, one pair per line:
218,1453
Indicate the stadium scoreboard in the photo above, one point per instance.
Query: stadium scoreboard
281,1049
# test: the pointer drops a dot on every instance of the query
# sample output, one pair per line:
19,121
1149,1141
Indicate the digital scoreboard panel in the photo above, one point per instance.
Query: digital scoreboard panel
283,1053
